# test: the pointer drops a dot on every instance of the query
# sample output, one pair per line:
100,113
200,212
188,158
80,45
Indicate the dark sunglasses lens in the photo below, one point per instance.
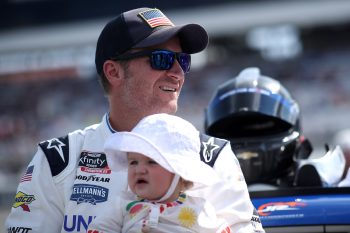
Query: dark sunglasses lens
185,61
162,60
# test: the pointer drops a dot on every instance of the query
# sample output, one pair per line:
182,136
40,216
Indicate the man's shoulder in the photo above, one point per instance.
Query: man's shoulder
211,148
87,130
57,150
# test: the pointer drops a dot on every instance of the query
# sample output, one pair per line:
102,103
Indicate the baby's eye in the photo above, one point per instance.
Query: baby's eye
132,162
151,161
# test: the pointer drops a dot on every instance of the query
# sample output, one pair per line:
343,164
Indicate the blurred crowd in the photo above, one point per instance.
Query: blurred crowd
34,111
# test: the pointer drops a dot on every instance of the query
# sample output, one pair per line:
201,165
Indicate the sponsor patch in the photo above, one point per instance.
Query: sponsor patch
209,148
77,223
57,153
19,230
94,178
93,194
92,162
256,223
23,200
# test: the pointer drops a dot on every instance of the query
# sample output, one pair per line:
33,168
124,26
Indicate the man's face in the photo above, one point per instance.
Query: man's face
148,91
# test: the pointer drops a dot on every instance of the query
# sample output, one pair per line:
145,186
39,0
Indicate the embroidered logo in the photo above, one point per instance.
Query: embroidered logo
93,178
19,230
93,194
23,200
56,144
209,148
94,162
77,223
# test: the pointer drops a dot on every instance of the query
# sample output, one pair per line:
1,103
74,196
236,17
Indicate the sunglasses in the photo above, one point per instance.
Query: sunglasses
161,59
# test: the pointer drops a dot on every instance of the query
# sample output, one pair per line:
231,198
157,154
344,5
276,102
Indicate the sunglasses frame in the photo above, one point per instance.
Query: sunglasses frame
150,53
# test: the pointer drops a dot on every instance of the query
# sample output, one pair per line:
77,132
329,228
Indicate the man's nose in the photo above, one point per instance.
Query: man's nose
176,71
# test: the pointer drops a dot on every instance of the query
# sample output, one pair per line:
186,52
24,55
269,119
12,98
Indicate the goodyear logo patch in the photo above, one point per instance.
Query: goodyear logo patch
92,178
85,193
23,200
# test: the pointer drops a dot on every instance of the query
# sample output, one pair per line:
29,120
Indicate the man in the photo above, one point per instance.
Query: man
141,57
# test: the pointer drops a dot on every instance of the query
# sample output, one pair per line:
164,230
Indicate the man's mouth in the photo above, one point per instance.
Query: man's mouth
168,89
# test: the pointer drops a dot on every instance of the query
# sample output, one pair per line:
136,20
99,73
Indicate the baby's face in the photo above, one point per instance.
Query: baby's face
146,178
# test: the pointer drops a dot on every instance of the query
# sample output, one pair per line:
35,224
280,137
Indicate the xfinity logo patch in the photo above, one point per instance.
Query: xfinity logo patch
93,194
93,162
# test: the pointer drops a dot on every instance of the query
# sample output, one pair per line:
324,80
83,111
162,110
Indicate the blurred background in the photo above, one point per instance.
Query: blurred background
49,87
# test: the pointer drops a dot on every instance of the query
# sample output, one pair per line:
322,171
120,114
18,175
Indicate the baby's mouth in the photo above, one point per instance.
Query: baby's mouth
141,181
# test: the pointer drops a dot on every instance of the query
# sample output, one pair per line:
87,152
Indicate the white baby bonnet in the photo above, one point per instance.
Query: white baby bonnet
169,140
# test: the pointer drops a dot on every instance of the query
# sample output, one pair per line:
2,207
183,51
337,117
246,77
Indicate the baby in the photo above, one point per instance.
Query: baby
161,156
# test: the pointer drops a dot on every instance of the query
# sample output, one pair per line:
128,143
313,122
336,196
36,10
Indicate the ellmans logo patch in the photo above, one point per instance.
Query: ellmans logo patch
85,193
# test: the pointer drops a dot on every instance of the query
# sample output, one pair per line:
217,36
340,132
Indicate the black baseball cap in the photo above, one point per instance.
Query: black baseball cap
144,27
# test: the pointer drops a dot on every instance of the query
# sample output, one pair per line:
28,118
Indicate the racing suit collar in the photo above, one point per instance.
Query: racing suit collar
106,118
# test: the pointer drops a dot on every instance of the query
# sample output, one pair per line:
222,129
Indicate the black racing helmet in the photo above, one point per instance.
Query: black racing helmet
261,119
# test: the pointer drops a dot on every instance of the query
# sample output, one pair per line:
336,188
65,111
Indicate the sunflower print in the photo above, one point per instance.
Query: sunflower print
187,217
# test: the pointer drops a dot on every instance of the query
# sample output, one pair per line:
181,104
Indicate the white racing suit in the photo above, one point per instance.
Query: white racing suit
68,183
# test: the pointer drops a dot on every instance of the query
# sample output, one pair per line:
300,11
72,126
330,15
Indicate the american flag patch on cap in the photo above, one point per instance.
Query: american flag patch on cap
155,18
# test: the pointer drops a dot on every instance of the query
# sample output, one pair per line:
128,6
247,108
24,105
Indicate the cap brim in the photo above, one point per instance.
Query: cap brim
186,165
193,37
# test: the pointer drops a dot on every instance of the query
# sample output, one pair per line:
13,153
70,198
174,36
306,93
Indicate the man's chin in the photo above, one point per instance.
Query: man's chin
170,108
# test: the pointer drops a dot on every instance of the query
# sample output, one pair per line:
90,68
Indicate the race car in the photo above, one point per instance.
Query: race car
307,209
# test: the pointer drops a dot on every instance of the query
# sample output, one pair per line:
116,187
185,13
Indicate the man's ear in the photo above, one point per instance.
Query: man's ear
112,71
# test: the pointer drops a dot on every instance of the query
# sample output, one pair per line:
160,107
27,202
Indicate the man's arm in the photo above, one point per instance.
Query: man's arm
230,197
38,204
236,206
